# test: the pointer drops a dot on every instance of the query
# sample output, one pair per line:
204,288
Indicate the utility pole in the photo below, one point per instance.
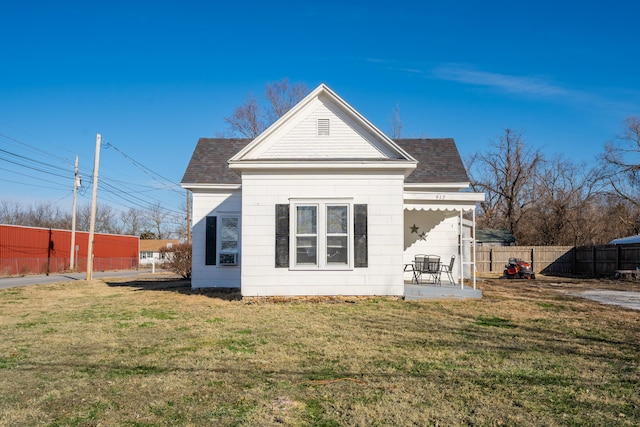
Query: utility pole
94,198
76,184
188,218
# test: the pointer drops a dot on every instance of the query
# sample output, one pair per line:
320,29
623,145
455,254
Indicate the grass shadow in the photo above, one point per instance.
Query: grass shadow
179,286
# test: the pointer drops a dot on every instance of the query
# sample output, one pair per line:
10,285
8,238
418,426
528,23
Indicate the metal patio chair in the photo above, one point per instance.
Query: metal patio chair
427,265
448,269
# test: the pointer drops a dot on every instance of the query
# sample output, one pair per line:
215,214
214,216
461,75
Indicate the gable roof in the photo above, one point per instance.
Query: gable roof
438,161
372,144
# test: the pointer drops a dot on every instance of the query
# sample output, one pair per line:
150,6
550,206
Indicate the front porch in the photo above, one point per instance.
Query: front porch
447,290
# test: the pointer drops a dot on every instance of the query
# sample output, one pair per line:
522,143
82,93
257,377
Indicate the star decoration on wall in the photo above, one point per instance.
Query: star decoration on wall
414,229
423,235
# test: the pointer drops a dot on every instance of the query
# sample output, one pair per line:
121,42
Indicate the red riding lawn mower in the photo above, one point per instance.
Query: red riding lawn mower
518,269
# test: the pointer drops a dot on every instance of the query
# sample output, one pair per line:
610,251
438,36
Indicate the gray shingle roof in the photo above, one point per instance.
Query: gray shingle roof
208,164
438,161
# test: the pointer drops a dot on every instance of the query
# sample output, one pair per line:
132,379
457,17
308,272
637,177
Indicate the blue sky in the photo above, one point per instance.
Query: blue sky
153,77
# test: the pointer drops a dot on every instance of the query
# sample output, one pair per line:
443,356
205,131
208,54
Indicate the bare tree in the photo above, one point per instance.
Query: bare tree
11,213
106,219
281,97
563,193
133,221
616,217
246,119
157,216
46,215
396,123
506,173
249,120
622,159
178,259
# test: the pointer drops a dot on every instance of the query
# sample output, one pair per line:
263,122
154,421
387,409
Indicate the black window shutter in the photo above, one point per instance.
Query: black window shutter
360,245
282,236
210,245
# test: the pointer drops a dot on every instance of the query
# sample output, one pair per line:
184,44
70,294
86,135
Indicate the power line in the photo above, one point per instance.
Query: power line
31,167
138,201
31,185
34,148
142,167
139,195
24,174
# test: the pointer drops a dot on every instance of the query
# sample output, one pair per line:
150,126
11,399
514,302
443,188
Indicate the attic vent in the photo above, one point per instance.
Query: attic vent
323,127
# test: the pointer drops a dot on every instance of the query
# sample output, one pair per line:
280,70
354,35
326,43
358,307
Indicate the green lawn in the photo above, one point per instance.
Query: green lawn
154,353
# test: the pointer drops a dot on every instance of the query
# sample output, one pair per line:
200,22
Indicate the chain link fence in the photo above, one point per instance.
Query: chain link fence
24,266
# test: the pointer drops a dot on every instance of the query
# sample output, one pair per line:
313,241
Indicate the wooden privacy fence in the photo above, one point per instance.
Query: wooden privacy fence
601,260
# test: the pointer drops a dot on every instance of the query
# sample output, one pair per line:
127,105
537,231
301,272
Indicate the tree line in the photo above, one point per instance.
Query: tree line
544,200
152,223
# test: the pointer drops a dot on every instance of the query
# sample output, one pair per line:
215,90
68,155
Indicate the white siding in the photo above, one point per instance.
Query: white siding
299,139
441,228
381,192
210,204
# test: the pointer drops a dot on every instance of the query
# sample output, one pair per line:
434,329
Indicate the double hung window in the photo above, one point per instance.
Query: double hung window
229,234
322,235
222,240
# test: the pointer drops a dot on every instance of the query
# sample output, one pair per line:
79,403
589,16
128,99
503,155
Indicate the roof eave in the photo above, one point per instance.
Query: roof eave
334,165
211,186
426,186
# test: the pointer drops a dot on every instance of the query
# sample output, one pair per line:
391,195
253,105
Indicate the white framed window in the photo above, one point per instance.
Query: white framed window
228,253
306,235
222,240
322,234
337,235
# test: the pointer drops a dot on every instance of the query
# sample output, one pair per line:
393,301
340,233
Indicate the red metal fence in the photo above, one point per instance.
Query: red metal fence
32,250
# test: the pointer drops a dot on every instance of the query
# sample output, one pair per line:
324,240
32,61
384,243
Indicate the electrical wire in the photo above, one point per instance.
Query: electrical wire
10,138
31,167
142,167
30,185
138,195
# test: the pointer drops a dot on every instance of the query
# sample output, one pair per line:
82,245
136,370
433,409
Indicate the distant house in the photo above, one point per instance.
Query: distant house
324,203
151,250
487,237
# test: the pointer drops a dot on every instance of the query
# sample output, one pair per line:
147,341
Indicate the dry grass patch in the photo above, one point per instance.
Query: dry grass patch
150,353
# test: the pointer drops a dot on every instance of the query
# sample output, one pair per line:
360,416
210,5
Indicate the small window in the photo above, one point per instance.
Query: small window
323,127
337,234
229,234
306,235
222,240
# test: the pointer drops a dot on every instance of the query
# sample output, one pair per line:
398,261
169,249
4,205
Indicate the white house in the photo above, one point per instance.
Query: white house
152,250
324,203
